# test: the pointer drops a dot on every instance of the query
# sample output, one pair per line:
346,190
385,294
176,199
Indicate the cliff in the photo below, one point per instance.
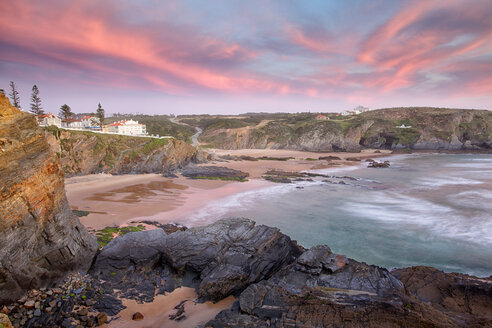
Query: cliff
40,239
82,152
424,129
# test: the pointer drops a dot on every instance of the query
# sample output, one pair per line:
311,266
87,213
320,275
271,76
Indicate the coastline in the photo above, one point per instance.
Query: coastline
122,199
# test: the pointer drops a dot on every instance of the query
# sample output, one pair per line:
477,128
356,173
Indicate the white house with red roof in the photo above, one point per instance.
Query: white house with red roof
126,127
49,120
90,121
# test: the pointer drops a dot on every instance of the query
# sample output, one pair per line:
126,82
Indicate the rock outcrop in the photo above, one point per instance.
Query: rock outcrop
40,239
83,152
219,259
280,284
214,172
462,297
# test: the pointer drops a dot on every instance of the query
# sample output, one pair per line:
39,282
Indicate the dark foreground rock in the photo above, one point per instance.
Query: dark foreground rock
465,298
322,289
210,172
219,260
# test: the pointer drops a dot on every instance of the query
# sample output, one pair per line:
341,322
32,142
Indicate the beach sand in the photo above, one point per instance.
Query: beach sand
120,200
156,314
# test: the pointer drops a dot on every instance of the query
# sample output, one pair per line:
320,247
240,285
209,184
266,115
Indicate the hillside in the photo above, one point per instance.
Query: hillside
83,152
425,129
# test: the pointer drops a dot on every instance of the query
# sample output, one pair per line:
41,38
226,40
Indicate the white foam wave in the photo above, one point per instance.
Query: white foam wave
473,199
447,221
445,181
244,200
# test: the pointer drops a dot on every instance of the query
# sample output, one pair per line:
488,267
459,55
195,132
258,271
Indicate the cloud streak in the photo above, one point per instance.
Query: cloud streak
174,49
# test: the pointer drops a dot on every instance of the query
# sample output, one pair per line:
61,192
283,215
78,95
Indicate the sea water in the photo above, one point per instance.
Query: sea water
425,209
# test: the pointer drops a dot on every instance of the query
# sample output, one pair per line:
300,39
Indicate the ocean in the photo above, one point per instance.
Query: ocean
425,209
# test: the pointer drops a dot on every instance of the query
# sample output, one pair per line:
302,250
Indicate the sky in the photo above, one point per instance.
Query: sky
234,56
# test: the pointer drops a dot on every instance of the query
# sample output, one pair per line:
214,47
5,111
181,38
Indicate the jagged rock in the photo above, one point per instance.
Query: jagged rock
463,297
40,239
219,259
310,292
195,172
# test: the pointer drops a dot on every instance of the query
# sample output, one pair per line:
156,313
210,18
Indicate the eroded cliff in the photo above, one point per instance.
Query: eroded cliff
84,152
40,239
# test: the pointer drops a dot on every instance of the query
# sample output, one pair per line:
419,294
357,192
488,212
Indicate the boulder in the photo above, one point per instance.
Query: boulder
219,259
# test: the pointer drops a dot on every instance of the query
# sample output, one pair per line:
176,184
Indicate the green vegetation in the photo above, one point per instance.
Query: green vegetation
220,178
107,234
153,144
310,159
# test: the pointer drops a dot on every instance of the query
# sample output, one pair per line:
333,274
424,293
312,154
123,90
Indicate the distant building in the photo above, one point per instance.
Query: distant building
90,121
49,120
126,127
360,109
72,123
321,117
356,111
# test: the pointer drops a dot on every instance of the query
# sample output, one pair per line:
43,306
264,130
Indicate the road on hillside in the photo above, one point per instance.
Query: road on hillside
194,138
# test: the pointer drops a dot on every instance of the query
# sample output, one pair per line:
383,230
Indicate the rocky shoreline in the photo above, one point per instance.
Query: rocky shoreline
278,283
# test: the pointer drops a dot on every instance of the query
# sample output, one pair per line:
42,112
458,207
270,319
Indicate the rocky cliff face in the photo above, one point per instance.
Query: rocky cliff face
40,239
83,153
424,129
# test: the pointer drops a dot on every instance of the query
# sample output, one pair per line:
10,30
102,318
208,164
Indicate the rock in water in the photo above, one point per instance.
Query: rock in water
40,239
220,259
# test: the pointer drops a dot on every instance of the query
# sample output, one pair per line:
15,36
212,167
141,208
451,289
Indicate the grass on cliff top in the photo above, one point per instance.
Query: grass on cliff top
107,234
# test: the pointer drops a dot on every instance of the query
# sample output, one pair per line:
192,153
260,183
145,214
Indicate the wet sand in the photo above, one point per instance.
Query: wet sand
119,200
156,314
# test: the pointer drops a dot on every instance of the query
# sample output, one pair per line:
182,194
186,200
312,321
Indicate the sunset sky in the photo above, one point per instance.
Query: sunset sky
242,56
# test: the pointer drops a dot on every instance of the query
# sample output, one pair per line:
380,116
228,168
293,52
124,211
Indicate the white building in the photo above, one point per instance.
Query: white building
356,111
127,127
49,120
90,121
72,123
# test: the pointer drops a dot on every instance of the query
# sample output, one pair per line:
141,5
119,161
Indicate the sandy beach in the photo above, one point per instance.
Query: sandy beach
120,200
156,314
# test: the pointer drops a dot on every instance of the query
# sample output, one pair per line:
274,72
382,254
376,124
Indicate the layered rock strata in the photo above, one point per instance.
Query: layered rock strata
40,239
